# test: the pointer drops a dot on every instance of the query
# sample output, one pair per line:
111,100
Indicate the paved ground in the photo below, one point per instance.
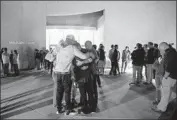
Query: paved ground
30,96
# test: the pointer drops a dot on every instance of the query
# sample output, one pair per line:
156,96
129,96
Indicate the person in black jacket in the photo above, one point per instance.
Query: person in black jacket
97,77
150,62
11,61
115,60
138,62
156,56
169,78
38,58
102,58
83,76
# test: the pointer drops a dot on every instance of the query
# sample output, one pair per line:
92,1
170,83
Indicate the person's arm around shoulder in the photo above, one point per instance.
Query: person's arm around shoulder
79,54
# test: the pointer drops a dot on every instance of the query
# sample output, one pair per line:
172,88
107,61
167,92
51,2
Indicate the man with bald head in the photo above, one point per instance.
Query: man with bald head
169,78
93,94
62,72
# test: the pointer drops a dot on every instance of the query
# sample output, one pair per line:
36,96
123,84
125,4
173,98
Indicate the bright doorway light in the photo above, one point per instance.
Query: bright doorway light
53,36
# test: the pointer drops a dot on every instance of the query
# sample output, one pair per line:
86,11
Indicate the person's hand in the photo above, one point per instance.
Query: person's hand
74,83
73,78
92,55
84,67
79,63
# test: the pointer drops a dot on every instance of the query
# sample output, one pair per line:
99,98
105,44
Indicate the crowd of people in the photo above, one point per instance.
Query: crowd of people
9,62
73,67
160,64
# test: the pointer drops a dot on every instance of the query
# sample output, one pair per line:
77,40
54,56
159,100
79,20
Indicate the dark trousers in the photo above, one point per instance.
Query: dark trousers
97,77
64,83
38,64
95,91
51,67
153,73
111,71
6,68
48,65
16,70
115,67
84,89
88,88
11,66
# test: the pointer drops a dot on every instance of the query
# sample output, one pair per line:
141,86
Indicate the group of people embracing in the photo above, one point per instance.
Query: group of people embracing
75,67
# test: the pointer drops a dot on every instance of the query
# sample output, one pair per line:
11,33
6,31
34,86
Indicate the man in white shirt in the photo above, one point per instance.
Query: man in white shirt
62,73
5,59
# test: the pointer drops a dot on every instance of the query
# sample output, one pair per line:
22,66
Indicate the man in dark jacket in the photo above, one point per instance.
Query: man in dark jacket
83,74
138,62
150,62
115,60
170,76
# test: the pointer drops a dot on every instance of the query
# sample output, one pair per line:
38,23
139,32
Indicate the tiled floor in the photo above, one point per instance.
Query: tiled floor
30,96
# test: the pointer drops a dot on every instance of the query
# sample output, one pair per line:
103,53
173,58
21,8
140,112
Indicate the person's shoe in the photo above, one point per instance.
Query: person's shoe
154,108
93,110
155,102
67,112
138,84
70,112
74,103
132,83
146,83
59,112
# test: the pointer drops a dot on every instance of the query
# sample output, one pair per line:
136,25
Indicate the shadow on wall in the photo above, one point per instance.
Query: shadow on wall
26,57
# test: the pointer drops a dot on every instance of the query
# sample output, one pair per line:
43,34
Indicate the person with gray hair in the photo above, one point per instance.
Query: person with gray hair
62,73
169,78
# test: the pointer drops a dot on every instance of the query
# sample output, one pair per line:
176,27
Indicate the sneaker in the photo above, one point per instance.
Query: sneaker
132,83
59,112
156,102
138,84
70,112
67,112
93,110
146,83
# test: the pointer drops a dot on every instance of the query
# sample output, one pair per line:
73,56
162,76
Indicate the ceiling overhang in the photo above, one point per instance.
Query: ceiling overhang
87,20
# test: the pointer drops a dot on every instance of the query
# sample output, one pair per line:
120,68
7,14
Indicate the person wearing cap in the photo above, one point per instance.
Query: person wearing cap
62,73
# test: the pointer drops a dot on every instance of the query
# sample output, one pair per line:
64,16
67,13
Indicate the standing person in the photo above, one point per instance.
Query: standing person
42,59
97,77
159,67
11,61
102,58
156,56
50,63
15,62
2,70
115,60
111,51
145,47
5,58
62,73
38,58
137,61
92,81
125,59
82,72
150,61
170,76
